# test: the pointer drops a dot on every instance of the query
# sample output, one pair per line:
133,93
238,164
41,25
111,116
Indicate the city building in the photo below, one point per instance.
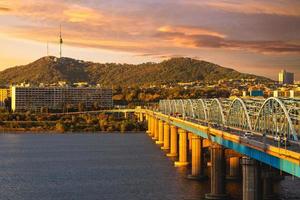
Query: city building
287,92
4,94
285,77
35,98
256,93
295,93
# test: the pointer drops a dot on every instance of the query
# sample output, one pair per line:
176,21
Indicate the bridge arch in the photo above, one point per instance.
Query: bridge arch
200,111
173,106
179,105
168,106
216,114
294,113
273,119
238,115
160,106
189,108
164,108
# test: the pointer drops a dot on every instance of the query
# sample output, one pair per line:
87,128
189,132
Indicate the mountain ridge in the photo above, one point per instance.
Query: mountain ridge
181,69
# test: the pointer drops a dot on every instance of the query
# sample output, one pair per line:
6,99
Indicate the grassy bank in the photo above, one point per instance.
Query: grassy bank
29,122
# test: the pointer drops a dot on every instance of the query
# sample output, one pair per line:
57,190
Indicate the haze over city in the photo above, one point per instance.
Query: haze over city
259,37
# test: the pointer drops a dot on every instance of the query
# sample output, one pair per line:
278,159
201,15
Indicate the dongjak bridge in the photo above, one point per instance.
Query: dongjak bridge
258,137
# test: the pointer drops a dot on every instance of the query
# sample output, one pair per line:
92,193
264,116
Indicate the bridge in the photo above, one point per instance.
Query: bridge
259,136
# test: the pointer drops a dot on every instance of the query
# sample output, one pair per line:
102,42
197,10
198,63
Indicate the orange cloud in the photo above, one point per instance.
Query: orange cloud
93,27
258,7
201,38
189,30
76,13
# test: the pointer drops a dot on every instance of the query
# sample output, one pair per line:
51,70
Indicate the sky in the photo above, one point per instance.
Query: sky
254,36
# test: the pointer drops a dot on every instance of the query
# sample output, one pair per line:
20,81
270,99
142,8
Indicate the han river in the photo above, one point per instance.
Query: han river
100,166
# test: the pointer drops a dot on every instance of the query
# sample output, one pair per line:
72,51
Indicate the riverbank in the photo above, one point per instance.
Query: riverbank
15,131
96,123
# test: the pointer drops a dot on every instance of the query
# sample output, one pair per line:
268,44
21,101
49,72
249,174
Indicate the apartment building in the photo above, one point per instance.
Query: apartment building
35,98
4,94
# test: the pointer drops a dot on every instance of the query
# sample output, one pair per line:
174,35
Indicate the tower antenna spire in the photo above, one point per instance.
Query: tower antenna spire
47,48
60,42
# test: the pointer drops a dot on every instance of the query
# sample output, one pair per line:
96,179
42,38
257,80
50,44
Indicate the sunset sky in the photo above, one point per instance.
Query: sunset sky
253,36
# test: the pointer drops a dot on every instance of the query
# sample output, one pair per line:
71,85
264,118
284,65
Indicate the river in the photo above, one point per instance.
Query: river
99,166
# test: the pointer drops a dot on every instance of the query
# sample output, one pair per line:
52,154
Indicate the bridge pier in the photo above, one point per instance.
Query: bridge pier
173,142
155,129
251,176
166,145
182,149
160,132
234,168
190,135
141,117
269,182
218,171
148,125
197,171
152,126
146,116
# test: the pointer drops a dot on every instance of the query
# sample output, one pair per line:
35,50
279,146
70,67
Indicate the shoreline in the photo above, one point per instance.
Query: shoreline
66,132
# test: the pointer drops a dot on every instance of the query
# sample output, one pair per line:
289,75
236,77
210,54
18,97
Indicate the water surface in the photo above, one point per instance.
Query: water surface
98,166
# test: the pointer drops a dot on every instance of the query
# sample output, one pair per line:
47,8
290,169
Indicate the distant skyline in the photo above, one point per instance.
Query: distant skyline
253,36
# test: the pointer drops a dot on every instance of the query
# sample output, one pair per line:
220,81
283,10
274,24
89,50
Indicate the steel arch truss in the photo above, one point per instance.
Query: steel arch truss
272,116
273,119
161,106
200,109
216,112
189,108
179,106
238,115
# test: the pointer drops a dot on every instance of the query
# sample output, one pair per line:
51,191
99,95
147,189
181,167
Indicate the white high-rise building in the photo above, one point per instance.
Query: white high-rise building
285,77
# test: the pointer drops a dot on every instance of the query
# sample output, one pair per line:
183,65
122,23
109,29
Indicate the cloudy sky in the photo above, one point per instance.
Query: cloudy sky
254,36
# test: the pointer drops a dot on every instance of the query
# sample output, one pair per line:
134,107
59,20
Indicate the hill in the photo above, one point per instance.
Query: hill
51,69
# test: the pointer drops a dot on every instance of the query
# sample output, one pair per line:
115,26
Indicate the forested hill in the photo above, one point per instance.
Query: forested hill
51,69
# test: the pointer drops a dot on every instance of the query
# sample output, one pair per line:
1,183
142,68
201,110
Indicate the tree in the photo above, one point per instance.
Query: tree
59,127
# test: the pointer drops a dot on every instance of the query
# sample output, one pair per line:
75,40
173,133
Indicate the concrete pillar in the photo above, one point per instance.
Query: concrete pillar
234,168
182,149
173,142
141,117
155,129
152,120
197,171
160,132
218,171
166,137
190,135
148,125
250,179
